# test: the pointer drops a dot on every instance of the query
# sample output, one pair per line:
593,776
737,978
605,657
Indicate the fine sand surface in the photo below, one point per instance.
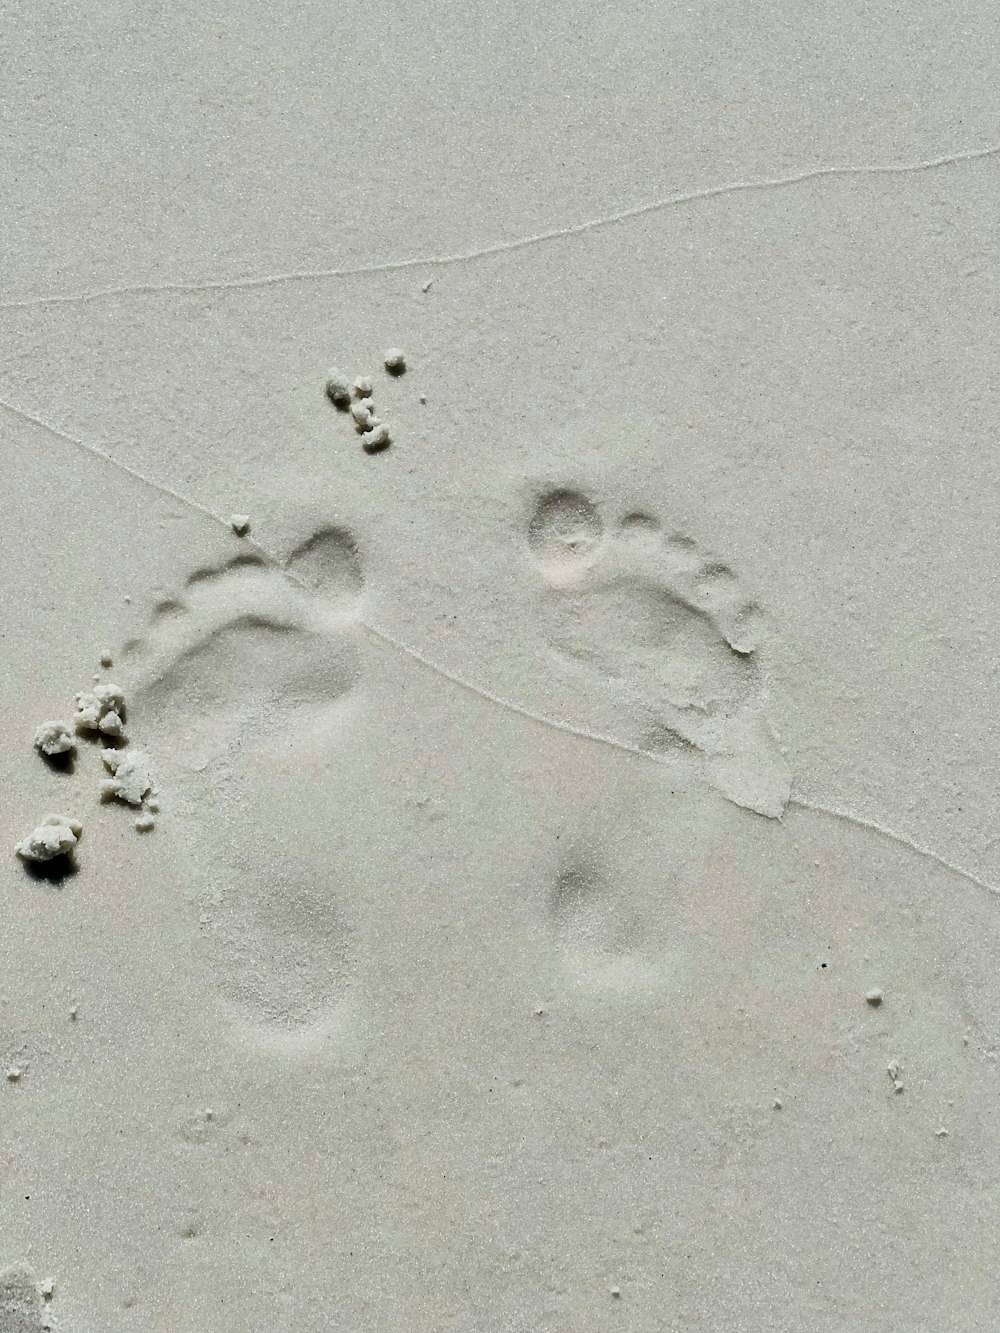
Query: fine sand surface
565,889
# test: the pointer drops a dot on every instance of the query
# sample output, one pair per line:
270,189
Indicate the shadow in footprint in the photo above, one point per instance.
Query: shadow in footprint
591,921
329,563
207,573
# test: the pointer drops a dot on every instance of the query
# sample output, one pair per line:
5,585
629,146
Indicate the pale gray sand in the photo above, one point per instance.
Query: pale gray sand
459,983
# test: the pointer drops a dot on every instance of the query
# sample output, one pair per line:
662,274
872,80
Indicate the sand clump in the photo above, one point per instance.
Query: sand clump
358,398
131,780
56,835
363,416
54,738
101,709
338,388
375,440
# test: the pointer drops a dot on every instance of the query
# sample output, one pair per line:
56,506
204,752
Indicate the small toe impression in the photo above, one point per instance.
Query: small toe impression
744,627
640,528
715,586
565,531
328,563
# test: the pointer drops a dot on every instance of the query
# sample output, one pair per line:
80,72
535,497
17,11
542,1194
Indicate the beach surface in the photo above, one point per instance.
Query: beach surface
502,503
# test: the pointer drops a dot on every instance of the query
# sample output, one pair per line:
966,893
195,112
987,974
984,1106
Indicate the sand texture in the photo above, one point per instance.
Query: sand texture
501,787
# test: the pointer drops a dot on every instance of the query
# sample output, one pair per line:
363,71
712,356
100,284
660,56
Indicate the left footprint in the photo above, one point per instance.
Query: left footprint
237,690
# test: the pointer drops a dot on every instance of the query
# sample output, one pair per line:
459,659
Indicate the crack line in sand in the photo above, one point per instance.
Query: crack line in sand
796,799
96,451
872,826
505,247
544,718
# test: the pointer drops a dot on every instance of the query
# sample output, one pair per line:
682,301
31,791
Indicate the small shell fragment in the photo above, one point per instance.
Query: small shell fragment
240,524
874,996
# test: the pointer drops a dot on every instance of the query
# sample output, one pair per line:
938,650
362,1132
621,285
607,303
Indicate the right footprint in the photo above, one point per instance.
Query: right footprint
674,628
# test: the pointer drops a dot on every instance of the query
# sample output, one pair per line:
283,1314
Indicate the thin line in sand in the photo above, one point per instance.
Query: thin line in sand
599,223
873,826
96,451
796,800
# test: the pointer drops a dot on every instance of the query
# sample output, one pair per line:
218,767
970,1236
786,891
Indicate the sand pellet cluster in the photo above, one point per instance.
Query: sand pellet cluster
357,398
100,713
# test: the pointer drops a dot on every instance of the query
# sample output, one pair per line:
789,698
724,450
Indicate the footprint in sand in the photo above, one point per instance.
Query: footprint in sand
598,929
245,680
673,630
237,688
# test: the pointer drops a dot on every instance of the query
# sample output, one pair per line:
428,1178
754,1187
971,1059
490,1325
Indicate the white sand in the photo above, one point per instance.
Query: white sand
542,799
